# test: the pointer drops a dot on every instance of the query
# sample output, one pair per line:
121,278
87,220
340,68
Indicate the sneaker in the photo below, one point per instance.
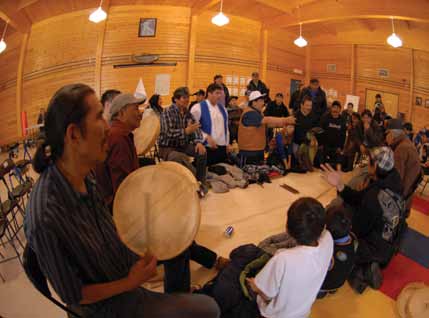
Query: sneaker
373,276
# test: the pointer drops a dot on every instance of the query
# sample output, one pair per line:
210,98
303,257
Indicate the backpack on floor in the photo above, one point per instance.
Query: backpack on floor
393,207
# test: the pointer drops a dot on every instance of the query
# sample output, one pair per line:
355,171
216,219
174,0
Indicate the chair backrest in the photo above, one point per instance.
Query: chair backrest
6,166
38,279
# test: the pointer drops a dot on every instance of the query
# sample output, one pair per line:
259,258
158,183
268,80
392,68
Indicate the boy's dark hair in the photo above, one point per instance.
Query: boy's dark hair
338,222
408,126
357,115
180,92
367,112
314,81
217,76
336,103
232,97
378,96
306,98
214,87
109,95
306,219
348,104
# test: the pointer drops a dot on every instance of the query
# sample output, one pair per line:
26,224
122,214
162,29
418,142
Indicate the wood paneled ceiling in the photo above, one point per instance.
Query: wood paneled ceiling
328,18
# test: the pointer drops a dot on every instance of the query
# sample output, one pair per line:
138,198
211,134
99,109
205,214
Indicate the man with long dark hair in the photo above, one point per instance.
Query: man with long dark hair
71,231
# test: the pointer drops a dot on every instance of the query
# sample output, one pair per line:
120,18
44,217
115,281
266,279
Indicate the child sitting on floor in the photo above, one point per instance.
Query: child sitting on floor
288,284
281,149
345,246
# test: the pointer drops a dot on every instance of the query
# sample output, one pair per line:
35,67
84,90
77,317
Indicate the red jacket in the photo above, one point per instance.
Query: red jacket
120,162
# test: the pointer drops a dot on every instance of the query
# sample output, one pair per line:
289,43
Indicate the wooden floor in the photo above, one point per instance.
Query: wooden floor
255,213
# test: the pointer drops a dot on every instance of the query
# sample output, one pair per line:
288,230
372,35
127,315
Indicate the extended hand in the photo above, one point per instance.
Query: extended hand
192,128
332,177
200,149
289,120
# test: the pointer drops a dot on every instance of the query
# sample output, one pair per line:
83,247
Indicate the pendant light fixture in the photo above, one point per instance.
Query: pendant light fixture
220,19
393,39
98,15
301,42
2,42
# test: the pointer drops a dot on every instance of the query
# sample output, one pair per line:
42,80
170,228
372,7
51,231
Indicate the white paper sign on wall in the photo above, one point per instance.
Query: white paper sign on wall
162,84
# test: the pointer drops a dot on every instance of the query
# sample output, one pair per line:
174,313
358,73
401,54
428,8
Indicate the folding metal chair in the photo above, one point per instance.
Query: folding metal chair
8,236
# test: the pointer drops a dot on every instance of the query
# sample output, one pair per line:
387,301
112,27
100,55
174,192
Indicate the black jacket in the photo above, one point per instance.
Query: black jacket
295,101
320,105
334,131
261,87
303,125
367,222
276,111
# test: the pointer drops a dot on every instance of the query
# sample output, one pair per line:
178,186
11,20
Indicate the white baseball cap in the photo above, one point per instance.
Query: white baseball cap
255,95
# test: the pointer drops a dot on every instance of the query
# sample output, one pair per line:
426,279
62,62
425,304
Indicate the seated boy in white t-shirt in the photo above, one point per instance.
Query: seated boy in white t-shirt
288,284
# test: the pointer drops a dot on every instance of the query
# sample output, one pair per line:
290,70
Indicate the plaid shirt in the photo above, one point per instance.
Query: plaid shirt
173,125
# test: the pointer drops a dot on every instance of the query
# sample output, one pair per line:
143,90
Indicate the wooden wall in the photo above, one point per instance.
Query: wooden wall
66,49
368,60
8,70
283,59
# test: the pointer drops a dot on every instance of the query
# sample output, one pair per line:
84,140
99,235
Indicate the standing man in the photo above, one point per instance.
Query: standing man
305,121
346,115
199,97
71,231
213,118
407,160
318,98
106,101
257,85
295,99
181,138
277,108
234,114
218,79
334,136
252,129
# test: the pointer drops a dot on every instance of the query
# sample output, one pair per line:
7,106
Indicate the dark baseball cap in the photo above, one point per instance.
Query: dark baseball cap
199,92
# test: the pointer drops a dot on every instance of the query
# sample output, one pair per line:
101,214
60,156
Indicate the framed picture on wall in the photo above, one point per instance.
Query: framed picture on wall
419,101
147,27
427,103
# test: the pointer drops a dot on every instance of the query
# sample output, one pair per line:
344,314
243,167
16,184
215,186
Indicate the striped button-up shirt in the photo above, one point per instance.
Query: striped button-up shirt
173,125
74,238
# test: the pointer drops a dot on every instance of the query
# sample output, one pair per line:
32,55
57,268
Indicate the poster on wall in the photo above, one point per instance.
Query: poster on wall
354,100
162,84
243,81
333,93
419,101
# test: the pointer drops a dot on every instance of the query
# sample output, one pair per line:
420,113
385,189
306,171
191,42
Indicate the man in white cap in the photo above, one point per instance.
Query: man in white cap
252,129
122,158
376,212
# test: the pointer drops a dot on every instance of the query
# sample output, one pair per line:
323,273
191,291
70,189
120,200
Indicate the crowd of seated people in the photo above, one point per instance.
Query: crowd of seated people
319,250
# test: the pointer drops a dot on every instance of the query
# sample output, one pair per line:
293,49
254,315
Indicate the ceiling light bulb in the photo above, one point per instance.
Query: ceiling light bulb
2,46
394,40
301,42
220,19
98,15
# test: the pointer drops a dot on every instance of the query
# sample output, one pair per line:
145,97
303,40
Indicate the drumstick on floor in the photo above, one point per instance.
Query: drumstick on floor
289,188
